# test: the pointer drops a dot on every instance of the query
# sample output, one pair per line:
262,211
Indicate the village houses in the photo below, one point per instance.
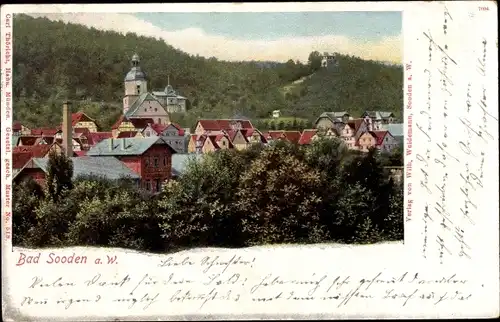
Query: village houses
143,142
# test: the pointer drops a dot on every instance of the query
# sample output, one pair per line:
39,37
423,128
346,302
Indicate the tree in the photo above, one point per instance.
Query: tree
59,174
197,210
281,125
314,61
26,197
279,196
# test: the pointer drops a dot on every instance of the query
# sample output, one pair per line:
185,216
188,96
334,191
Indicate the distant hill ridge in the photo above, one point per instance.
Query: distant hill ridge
54,61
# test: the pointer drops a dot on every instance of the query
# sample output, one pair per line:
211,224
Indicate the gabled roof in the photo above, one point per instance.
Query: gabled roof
307,136
80,117
355,124
19,159
37,151
178,127
138,102
125,146
44,131
108,167
379,136
160,128
96,137
224,124
216,139
27,140
333,116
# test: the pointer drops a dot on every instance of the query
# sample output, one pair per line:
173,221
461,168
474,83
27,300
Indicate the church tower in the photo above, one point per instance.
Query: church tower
135,84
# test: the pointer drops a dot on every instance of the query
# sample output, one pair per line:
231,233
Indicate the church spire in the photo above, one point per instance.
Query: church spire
135,72
135,60
168,80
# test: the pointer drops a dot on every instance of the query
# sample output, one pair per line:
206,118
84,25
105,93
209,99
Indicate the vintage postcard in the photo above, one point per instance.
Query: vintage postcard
249,161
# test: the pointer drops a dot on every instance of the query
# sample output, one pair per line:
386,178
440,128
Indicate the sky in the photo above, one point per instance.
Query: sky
271,36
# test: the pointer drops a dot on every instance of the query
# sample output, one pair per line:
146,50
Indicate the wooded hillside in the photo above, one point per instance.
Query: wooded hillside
54,61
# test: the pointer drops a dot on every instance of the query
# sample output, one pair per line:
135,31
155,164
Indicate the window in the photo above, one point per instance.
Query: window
157,185
146,162
165,161
148,133
157,163
148,185
138,89
156,110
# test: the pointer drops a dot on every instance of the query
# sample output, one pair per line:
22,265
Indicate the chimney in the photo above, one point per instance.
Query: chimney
67,130
122,143
111,144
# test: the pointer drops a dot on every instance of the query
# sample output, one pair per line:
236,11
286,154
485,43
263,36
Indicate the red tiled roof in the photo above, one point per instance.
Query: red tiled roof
96,137
158,128
218,125
307,136
17,126
292,136
27,140
127,134
44,131
379,136
36,151
77,117
19,159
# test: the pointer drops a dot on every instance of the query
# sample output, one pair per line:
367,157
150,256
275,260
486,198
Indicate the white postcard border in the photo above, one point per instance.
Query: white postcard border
483,274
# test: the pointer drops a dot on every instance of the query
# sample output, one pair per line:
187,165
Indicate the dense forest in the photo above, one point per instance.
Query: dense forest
54,61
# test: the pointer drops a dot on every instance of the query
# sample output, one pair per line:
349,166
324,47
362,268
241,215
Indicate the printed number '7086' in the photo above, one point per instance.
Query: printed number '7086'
484,8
